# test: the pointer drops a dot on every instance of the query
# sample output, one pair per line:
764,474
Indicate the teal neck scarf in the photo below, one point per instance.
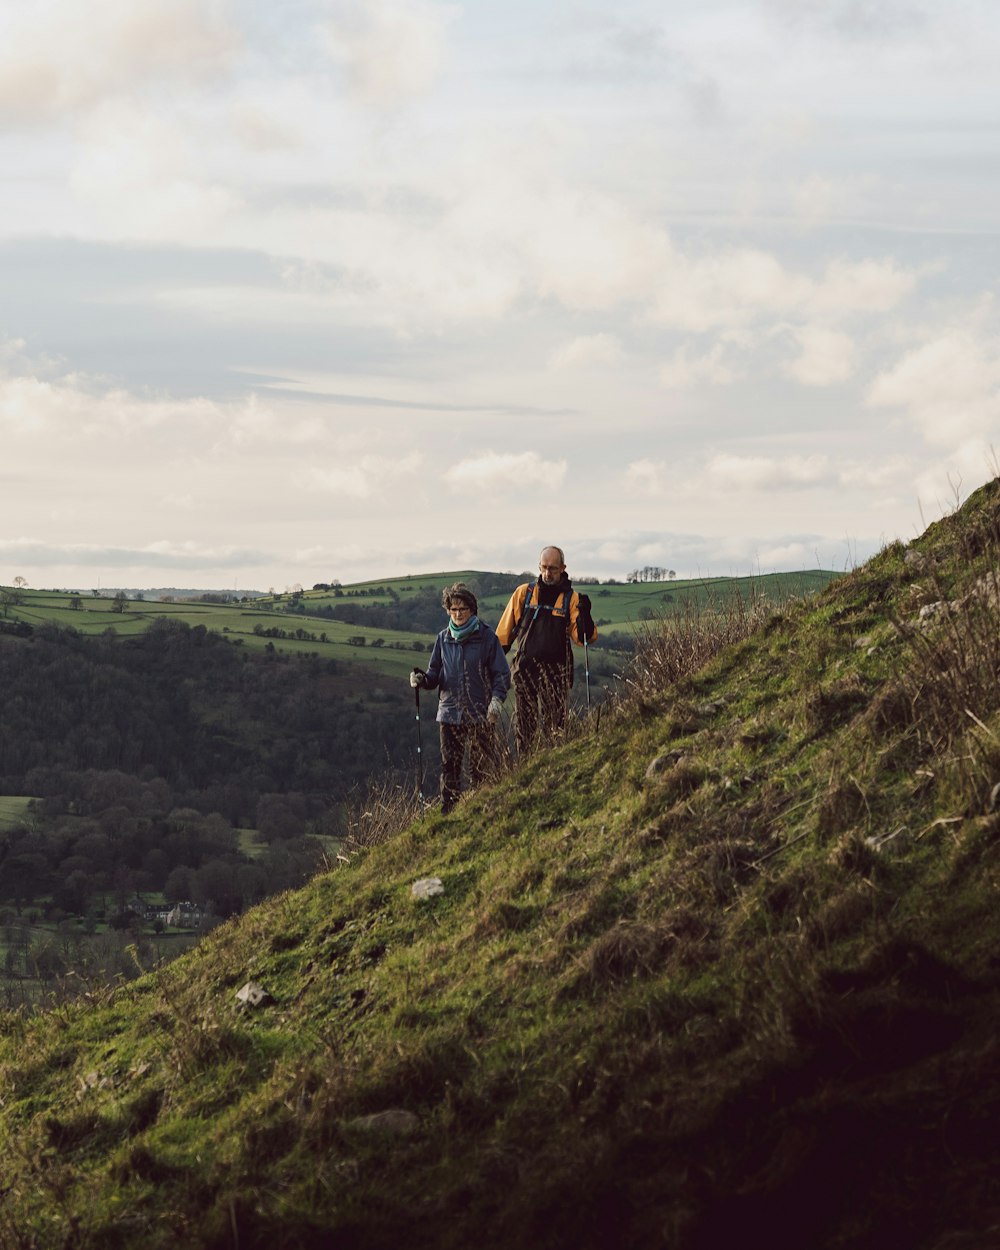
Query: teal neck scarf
470,627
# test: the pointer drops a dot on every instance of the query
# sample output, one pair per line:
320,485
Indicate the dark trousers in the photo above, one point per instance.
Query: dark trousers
481,742
541,693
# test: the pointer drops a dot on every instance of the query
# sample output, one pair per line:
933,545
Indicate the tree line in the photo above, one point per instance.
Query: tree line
96,841
220,726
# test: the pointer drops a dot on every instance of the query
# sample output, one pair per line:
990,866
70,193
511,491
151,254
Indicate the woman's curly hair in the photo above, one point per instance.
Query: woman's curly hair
462,593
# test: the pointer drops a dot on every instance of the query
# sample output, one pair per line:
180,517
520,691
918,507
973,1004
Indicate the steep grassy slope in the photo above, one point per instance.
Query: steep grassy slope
720,970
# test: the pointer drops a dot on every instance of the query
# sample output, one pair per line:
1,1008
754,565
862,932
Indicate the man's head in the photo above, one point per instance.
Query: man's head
552,565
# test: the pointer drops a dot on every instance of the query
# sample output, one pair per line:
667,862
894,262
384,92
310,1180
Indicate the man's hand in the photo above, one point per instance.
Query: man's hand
496,706
584,621
417,678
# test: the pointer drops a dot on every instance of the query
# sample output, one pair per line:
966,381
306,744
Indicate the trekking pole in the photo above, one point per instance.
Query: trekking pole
420,757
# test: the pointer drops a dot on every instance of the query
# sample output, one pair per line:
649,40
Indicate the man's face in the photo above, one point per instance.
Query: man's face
550,566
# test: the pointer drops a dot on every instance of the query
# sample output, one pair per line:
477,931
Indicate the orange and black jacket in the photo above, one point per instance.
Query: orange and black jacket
540,619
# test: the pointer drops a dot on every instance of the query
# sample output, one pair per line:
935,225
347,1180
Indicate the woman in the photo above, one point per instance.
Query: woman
469,668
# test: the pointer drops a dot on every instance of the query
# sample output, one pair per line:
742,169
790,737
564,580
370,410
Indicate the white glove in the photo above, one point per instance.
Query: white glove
493,711
417,679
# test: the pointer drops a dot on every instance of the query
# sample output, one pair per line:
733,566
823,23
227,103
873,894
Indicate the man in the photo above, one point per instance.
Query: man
543,619
470,671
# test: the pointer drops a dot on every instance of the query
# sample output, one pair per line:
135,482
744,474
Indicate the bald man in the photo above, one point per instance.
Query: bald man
545,619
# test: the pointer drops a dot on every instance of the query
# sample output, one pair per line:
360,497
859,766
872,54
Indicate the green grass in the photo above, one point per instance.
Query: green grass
14,812
719,970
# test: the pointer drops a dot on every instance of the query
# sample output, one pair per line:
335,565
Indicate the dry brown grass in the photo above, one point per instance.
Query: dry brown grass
678,645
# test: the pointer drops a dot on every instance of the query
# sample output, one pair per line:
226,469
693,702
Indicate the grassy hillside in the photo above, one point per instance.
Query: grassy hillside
721,970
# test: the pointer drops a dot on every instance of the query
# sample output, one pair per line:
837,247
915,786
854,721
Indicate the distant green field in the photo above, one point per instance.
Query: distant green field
14,810
330,639
618,606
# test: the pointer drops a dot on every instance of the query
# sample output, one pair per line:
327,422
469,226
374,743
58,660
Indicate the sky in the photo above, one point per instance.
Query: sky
345,289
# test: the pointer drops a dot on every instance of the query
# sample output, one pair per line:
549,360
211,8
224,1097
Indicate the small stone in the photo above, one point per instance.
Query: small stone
253,995
662,762
899,838
392,1123
994,798
427,887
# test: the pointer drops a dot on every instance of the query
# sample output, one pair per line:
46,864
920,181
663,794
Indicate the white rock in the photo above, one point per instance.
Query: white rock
392,1123
427,887
253,995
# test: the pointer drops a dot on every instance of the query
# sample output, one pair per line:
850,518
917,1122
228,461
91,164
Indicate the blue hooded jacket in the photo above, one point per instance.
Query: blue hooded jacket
469,673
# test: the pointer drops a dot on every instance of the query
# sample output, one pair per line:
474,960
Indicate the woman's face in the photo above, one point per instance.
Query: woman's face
459,611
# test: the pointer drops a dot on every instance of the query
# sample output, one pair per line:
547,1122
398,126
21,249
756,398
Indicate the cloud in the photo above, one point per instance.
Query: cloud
368,478
864,286
856,21
730,288
825,357
73,405
60,57
715,367
390,50
586,351
645,477
586,249
952,478
39,399
737,553
159,554
948,387
144,172
789,555
728,472
733,288
496,473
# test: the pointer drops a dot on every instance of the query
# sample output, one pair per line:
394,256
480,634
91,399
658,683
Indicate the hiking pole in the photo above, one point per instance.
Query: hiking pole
420,757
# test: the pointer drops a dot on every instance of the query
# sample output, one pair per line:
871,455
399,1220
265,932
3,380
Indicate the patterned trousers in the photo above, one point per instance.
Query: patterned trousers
480,741
541,691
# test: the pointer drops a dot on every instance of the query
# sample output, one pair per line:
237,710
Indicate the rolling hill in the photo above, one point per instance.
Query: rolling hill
306,623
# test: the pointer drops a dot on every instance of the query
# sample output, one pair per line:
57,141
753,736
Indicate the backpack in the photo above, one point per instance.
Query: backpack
530,613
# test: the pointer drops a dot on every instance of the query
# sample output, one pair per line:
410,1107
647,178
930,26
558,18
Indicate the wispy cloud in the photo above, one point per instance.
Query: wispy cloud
390,50
505,473
162,554
948,386
369,478
588,351
766,473
58,58
826,356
